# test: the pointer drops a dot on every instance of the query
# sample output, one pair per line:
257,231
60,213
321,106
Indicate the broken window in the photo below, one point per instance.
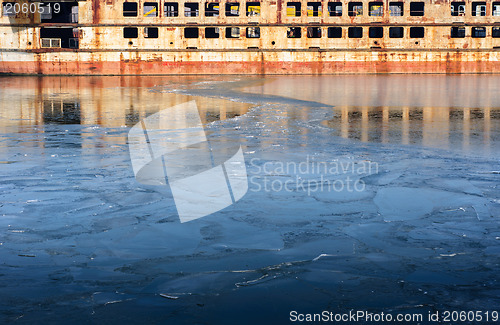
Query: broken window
376,32
60,12
232,9
232,32
478,32
355,9
212,9
334,32
191,32
313,32
59,37
293,32
8,9
335,9
151,9
191,9
396,9
293,9
212,32
130,32
396,32
253,32
151,32
417,32
314,9
130,9
416,8
376,9
479,9
496,9
355,32
495,32
171,9
253,9
458,32
458,8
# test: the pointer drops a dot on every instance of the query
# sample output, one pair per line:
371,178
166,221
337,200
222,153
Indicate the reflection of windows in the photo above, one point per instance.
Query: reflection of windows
335,9
334,32
232,9
479,9
293,9
212,32
458,32
396,32
191,32
355,32
58,111
191,9
314,9
495,32
478,32
253,32
171,9
417,32
253,9
151,32
151,9
376,9
232,32
416,8
293,32
212,9
376,32
355,9
129,10
458,8
130,32
313,32
396,9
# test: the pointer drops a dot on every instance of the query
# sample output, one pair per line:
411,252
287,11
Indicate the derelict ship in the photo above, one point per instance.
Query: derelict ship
122,37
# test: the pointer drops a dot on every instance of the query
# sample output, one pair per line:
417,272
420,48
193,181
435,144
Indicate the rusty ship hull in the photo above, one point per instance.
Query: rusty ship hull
119,37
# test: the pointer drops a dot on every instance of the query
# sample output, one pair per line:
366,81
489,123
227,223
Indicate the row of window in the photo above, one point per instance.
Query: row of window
191,9
312,32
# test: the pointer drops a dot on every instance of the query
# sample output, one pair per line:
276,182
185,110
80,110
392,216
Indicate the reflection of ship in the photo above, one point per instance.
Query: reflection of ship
119,37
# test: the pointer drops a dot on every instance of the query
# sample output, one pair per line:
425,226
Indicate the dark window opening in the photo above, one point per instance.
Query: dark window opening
479,9
232,32
396,9
191,32
8,9
416,8
171,9
458,32
232,9
253,9
293,9
212,9
458,8
294,32
417,32
191,9
334,32
376,9
496,9
335,9
478,32
314,9
376,32
495,32
130,9
57,37
212,32
355,9
130,32
60,12
253,32
151,9
355,32
396,32
314,32
151,32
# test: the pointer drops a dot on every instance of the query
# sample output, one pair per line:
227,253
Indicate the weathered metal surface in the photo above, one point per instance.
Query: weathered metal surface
103,49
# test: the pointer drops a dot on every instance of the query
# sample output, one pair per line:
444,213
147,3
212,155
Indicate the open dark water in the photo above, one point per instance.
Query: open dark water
81,241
